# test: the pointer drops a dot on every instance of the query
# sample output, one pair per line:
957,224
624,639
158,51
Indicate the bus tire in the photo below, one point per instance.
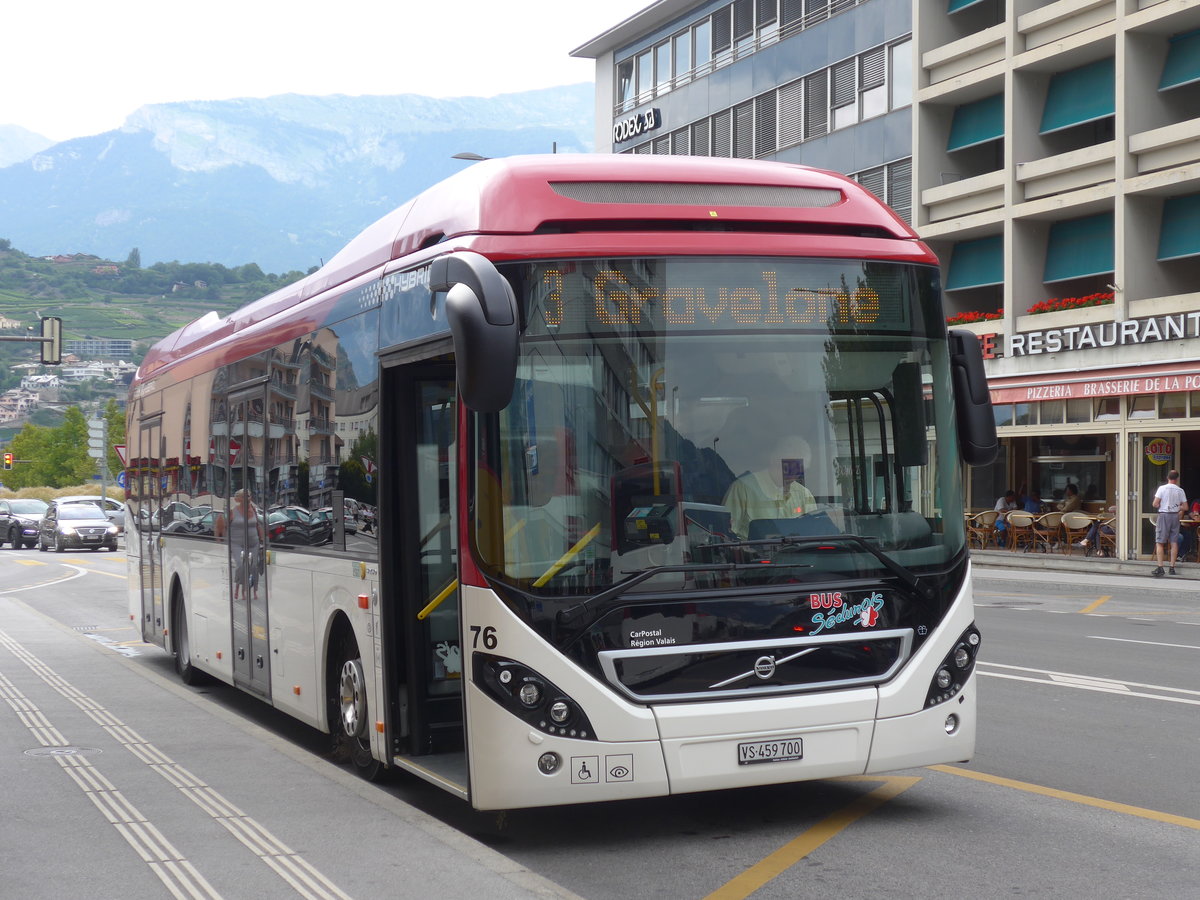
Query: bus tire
181,646
349,715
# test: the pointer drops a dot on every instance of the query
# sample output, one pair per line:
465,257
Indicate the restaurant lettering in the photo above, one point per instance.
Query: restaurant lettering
1105,334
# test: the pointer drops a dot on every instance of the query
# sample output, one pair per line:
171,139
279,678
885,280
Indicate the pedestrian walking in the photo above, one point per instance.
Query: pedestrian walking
1169,500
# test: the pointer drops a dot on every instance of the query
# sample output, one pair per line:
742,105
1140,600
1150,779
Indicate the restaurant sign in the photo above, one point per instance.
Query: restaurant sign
1173,327
1100,387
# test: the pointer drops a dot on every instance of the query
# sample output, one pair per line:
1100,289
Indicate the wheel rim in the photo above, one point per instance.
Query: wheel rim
353,698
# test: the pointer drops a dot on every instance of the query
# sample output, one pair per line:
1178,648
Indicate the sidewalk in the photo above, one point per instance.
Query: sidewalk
1077,562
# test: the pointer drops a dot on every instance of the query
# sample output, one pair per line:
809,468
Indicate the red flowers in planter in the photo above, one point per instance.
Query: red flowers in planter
969,318
1055,304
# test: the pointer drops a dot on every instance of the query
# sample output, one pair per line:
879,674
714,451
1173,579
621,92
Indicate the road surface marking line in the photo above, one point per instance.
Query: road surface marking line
1094,606
1092,687
1098,637
31,562
795,850
1137,684
1084,799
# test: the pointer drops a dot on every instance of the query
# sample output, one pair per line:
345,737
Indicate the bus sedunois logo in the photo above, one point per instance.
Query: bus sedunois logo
764,667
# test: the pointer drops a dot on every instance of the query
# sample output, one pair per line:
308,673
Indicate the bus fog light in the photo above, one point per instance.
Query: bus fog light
973,639
505,676
951,723
530,693
962,658
548,763
944,678
560,711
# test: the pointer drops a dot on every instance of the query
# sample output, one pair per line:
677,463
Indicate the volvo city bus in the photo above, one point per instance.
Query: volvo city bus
581,478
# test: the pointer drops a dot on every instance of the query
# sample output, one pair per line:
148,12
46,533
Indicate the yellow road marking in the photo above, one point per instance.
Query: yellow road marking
795,850
1110,805
30,562
1094,606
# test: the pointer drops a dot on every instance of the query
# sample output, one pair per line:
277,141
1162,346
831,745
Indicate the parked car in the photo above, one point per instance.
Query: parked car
325,514
75,526
203,523
113,509
296,525
19,521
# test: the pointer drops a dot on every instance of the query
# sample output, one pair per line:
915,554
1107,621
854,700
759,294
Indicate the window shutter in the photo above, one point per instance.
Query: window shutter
722,133
743,19
764,124
662,145
816,105
900,188
815,11
722,26
791,114
767,12
843,83
872,69
700,145
681,144
743,131
793,11
875,181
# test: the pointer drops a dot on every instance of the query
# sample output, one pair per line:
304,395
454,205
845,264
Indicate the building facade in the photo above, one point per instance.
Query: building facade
825,83
1058,179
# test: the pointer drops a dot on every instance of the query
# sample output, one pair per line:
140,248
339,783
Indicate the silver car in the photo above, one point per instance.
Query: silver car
113,509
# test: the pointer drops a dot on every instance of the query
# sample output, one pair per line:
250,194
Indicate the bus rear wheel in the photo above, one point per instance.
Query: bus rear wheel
349,715
188,673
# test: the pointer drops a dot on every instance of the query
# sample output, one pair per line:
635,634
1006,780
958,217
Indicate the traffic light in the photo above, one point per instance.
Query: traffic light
8,460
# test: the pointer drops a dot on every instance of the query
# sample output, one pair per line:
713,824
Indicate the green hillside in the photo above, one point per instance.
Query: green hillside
99,298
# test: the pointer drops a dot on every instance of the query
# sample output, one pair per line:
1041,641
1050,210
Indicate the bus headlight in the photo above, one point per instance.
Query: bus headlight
531,697
949,677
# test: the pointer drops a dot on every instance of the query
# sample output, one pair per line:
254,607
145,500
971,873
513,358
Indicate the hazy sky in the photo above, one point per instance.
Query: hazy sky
77,67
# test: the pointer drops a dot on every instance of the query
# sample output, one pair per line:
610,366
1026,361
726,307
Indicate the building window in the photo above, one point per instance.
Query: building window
682,57
901,82
872,83
1172,406
843,102
1052,412
1142,407
1079,411
662,66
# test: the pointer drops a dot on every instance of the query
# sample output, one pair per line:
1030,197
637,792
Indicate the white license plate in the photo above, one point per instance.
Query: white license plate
783,750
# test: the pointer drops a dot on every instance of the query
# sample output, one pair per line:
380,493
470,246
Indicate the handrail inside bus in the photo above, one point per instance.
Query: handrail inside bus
453,585
568,556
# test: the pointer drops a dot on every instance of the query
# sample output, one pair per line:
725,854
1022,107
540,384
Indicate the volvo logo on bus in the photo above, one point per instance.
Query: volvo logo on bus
764,667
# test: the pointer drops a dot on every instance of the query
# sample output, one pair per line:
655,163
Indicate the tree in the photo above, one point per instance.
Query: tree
134,259
28,449
116,434
66,461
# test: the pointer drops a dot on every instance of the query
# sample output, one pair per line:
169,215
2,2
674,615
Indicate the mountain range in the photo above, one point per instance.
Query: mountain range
283,181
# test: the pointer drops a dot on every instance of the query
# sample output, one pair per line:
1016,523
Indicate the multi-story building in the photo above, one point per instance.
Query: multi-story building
825,83
95,348
1057,176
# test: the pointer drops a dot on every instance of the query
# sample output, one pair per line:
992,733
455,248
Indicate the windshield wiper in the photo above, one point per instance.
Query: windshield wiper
904,575
570,615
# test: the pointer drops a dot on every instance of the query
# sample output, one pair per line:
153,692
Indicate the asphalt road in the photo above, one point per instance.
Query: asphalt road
1084,785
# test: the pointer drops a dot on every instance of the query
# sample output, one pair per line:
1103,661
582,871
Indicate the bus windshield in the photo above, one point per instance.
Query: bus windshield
710,418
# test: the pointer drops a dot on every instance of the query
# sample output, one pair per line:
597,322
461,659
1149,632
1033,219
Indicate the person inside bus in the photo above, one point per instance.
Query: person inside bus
773,490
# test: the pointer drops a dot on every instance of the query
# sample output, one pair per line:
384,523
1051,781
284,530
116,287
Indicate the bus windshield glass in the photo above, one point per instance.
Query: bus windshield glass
710,418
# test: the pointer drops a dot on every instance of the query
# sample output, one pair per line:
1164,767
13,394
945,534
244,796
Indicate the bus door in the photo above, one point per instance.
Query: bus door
148,523
246,540
425,669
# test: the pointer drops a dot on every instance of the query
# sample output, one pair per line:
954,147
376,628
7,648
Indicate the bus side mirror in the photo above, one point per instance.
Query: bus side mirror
482,312
908,415
972,402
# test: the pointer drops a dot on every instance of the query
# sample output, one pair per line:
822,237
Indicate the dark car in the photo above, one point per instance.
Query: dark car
76,526
296,525
19,521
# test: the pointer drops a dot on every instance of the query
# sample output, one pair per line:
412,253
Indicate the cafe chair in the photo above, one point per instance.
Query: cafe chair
1107,536
1075,526
981,529
1020,530
1047,530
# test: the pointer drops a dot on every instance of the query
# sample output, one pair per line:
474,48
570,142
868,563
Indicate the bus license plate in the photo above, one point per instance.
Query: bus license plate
770,751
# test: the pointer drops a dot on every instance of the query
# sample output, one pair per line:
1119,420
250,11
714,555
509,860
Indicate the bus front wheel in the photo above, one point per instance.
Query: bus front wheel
349,715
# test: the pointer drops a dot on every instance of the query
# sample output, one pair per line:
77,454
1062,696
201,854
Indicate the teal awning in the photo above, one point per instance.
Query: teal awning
1180,234
1080,95
976,263
956,5
977,123
1077,248
1183,60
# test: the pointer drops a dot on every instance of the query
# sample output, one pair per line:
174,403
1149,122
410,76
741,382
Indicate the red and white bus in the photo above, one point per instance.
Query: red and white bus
581,478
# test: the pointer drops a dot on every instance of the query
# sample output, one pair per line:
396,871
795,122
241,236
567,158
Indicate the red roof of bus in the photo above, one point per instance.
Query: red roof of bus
525,195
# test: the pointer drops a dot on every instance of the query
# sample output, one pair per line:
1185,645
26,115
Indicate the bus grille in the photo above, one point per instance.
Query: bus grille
739,669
